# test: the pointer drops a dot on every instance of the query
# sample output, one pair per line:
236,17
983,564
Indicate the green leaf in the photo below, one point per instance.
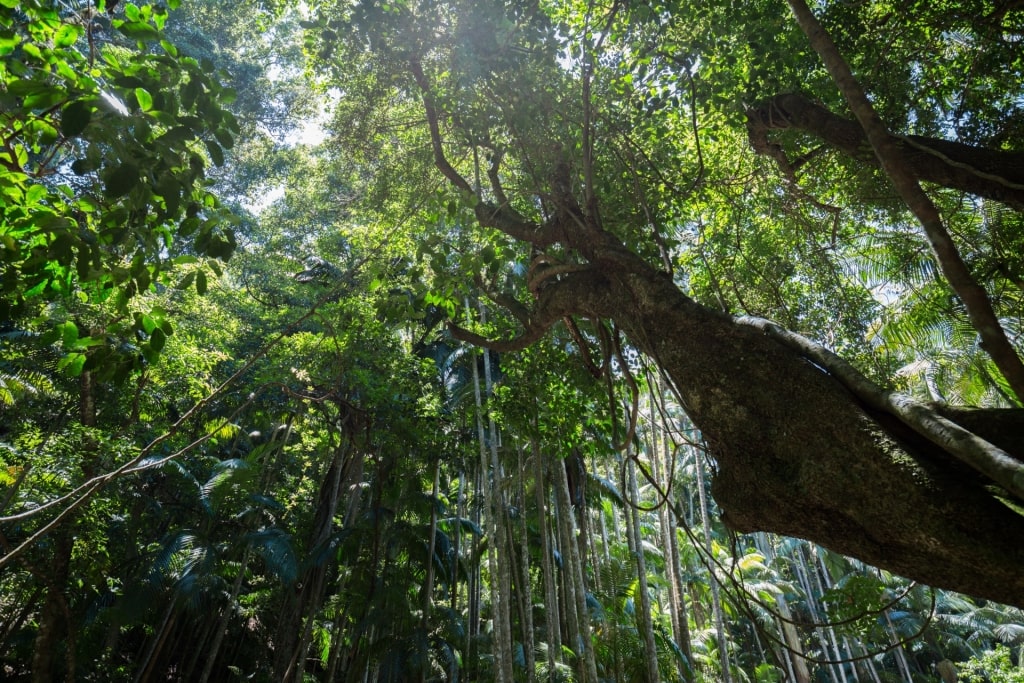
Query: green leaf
121,180
224,138
69,333
186,281
137,30
157,340
44,98
144,98
200,282
72,364
216,153
74,118
146,322
66,35
82,166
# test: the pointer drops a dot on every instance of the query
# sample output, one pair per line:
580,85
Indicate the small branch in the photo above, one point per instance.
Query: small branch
588,359
506,301
501,217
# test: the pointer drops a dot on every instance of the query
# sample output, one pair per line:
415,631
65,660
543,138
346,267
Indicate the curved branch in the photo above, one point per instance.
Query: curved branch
574,293
528,337
993,174
962,444
500,217
975,299
440,160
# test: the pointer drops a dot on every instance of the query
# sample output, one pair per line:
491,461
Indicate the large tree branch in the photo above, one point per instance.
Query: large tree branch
960,442
892,159
992,174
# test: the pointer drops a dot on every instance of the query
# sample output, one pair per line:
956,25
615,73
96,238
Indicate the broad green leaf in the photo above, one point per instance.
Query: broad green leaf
74,118
144,99
216,153
66,35
122,180
72,364
186,281
157,340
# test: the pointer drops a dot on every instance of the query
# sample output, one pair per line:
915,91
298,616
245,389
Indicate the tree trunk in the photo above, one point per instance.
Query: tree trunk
52,621
797,453
551,612
663,455
576,585
492,495
794,657
523,580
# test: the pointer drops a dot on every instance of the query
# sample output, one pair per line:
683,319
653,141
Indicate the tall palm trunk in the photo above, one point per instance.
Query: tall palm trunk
576,587
492,494
794,657
525,591
551,611
295,628
716,600
428,586
563,528
662,459
645,625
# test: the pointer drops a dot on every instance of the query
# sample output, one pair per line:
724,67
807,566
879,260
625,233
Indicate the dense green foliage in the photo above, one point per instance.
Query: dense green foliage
240,440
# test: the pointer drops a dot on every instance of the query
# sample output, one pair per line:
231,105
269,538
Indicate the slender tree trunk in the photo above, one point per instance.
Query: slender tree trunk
52,622
563,527
525,587
155,645
664,471
492,494
551,611
716,600
225,617
502,541
899,654
576,580
474,588
295,627
644,623
825,584
794,655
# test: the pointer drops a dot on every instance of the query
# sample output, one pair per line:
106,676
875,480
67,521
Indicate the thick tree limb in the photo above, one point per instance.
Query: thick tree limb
992,174
961,443
975,299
